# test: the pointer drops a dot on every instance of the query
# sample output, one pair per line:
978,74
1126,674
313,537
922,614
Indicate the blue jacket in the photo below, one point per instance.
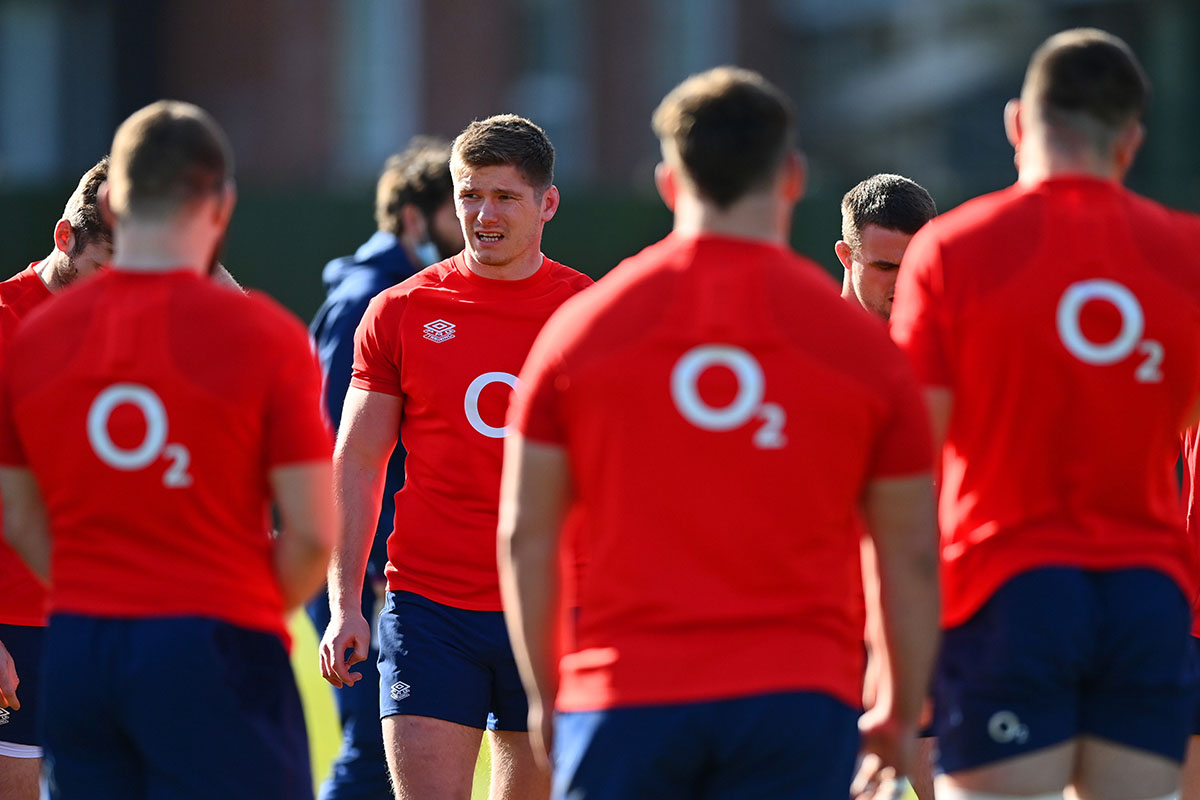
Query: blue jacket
350,283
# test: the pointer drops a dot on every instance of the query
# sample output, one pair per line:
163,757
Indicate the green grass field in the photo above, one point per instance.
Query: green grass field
324,731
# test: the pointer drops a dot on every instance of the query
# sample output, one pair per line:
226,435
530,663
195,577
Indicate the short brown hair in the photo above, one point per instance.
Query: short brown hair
889,201
1088,83
82,211
164,156
506,140
420,175
728,128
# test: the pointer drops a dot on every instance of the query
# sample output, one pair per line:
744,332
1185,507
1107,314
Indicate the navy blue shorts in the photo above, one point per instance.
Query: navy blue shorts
20,735
448,663
173,708
1061,652
717,750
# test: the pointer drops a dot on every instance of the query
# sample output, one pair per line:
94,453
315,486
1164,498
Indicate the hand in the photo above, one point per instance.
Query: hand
347,630
541,733
889,751
8,681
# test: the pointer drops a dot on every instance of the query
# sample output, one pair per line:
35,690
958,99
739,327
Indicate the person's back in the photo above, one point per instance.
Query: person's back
1071,350
1056,326
149,406
147,424
703,435
734,531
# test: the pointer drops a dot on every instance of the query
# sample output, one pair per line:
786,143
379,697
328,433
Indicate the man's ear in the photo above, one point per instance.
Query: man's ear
1013,124
64,237
664,181
226,201
844,254
1128,143
102,202
795,180
550,201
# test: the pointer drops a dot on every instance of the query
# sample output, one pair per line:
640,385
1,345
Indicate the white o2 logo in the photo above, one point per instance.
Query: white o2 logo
1129,339
154,442
471,402
747,404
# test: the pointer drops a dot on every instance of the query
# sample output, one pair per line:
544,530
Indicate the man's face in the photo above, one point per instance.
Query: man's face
91,259
501,214
873,267
445,231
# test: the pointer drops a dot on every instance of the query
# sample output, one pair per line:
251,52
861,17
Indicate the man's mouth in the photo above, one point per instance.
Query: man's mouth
489,238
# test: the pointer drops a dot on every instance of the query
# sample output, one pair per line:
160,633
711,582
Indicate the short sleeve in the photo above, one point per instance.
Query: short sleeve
295,429
904,445
919,310
377,346
536,409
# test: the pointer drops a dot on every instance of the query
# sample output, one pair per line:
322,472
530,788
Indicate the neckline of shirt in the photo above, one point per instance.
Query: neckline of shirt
459,262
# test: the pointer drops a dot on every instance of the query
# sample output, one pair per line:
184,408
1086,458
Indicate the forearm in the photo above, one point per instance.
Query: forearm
901,519
358,494
529,586
25,525
300,564
909,596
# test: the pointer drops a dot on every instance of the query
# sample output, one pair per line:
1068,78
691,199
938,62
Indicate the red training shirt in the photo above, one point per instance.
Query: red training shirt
150,408
1191,462
722,409
1065,319
22,596
450,343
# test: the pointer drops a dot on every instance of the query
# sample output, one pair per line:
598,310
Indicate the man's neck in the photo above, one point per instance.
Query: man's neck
155,247
55,271
1041,162
515,270
757,217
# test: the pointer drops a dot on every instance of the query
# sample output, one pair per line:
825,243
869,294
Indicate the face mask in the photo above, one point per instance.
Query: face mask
427,253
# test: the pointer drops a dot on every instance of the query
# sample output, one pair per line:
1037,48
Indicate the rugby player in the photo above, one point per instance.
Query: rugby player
879,217
414,210
1056,326
82,244
435,361
147,420
710,419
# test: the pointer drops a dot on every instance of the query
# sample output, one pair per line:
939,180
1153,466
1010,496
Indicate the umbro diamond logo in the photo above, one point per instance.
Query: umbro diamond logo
439,330
5,716
400,690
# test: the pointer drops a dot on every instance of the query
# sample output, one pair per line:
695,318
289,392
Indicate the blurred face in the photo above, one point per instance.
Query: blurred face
445,231
873,267
91,259
502,215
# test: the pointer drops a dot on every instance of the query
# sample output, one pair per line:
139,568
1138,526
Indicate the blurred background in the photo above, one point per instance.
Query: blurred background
315,94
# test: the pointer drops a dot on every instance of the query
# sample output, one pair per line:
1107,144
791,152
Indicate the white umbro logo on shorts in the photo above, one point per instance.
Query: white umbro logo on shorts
5,716
439,330
400,690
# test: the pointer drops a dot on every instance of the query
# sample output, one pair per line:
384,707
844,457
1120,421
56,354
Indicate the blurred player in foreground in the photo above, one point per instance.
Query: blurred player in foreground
414,208
710,418
1056,326
157,415
82,244
435,360
879,217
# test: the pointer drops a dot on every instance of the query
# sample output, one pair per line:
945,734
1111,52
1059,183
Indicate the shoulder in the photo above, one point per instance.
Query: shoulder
571,278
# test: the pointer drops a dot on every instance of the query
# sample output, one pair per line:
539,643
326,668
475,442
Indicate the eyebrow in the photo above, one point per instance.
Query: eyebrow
882,263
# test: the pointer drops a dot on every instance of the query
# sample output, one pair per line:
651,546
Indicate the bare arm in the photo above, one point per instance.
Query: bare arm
25,525
370,422
8,681
534,492
941,403
900,517
308,528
